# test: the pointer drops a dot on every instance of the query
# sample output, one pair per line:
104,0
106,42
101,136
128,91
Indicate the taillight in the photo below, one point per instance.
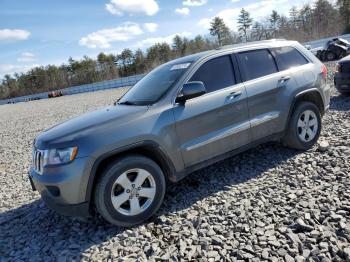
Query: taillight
324,71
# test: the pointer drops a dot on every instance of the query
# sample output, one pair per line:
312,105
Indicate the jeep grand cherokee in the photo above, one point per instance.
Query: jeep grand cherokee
184,115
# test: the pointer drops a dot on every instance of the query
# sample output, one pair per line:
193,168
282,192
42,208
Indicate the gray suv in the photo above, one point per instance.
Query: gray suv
184,115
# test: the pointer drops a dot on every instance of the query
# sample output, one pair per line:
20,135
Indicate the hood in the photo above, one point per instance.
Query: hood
89,122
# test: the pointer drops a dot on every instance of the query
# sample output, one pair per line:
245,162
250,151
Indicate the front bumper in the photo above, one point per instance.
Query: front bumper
63,188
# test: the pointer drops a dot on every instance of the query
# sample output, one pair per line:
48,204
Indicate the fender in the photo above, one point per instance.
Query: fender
298,96
148,145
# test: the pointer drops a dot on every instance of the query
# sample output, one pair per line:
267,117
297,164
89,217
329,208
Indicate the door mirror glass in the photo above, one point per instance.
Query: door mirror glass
191,90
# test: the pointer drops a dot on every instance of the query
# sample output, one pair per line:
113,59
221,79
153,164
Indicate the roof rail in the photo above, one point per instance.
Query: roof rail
251,43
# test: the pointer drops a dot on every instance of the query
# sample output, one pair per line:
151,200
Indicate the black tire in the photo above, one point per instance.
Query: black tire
105,184
292,139
330,56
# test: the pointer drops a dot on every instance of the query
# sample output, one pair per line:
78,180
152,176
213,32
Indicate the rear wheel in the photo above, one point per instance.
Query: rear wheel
304,127
130,191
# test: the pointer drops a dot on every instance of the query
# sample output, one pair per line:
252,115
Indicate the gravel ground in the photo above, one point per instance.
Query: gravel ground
270,203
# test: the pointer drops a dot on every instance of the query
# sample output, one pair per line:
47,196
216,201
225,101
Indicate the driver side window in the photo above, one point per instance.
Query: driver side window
215,74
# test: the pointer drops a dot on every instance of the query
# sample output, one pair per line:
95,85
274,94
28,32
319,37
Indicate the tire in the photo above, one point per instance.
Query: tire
122,181
300,135
330,56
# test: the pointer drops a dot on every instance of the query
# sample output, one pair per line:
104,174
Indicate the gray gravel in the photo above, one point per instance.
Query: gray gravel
270,203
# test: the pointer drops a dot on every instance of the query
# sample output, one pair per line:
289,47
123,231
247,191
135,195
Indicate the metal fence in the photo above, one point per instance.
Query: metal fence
115,83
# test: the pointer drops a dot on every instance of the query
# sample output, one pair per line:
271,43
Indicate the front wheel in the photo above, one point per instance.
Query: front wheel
304,127
130,191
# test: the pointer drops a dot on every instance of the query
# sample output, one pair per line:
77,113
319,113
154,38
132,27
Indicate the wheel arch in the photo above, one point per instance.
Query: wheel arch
311,95
148,149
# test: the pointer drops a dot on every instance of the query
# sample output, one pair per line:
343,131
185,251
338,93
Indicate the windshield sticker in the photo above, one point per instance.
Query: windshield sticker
180,66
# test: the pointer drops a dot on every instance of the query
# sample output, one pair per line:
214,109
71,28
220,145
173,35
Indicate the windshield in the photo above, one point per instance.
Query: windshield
155,84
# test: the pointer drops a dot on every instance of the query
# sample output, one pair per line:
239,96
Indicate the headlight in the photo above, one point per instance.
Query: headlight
59,155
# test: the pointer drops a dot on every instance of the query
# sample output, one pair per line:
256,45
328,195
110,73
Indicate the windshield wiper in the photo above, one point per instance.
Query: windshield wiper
129,103
135,103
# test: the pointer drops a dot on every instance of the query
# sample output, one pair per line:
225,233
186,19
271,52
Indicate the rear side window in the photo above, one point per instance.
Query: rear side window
288,57
257,63
216,74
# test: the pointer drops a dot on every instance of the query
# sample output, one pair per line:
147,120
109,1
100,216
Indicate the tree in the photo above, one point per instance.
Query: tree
294,15
178,45
274,21
305,17
258,31
244,23
139,62
344,9
326,19
124,61
219,30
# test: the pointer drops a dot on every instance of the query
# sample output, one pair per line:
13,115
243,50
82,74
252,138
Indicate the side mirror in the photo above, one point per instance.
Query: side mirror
190,90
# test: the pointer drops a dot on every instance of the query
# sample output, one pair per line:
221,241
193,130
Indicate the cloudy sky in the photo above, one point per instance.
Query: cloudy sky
41,32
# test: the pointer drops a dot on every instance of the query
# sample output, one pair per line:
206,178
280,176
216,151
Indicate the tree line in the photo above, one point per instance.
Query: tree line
310,22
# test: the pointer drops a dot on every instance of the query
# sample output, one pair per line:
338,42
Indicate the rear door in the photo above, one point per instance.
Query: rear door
218,121
265,87
291,61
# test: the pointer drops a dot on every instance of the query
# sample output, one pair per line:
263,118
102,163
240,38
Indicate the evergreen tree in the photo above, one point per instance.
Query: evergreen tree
344,9
244,23
274,21
219,30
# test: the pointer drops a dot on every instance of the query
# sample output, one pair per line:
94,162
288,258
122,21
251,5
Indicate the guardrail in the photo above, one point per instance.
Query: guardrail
115,83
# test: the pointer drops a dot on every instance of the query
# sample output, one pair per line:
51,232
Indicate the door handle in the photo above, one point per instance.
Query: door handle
283,81
234,95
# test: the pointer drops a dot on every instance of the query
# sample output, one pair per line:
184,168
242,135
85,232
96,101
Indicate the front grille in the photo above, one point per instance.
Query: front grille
38,160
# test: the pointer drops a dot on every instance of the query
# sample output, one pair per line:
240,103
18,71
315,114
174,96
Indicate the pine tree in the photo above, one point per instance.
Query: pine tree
219,30
274,22
344,9
244,23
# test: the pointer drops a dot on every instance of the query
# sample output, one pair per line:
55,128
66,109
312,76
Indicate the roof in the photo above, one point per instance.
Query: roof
191,58
197,56
253,43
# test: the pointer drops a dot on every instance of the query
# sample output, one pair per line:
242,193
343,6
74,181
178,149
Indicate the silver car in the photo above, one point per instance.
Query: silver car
184,115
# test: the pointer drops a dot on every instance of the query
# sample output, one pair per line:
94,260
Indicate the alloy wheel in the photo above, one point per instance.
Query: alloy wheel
307,126
133,192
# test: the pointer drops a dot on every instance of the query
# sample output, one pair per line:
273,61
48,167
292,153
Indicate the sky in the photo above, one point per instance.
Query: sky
42,32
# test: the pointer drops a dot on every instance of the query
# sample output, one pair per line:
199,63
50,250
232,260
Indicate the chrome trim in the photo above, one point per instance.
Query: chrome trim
38,160
264,118
224,134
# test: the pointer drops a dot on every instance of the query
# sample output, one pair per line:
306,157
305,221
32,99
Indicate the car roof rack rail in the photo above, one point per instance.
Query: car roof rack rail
250,43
